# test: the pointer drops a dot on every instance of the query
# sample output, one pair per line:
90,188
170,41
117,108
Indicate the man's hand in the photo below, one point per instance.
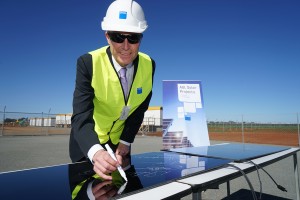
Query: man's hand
104,164
122,149
104,190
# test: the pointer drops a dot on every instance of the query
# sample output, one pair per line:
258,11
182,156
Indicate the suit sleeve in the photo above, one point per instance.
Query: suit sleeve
134,121
82,118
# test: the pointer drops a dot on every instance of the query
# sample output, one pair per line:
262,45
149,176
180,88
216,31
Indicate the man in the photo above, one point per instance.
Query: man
104,112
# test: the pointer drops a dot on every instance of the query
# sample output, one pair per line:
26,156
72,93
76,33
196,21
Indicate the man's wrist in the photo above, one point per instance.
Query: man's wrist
89,191
93,150
124,142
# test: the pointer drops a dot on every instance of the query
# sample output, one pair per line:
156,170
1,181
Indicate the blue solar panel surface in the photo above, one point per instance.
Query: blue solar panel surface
232,151
72,181
160,167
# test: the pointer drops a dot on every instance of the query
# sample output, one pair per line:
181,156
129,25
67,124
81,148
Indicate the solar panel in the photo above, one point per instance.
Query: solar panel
233,151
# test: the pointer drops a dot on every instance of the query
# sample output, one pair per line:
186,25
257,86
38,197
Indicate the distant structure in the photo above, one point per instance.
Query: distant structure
152,120
39,121
63,120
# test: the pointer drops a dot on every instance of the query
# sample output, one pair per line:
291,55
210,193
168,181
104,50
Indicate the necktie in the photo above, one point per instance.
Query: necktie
124,80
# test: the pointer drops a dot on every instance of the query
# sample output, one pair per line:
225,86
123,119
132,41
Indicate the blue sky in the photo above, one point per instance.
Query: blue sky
245,52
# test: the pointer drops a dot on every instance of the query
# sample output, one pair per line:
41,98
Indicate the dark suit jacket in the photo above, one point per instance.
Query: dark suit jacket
83,135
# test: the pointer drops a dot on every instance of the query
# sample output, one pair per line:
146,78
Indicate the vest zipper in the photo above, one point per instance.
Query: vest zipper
111,127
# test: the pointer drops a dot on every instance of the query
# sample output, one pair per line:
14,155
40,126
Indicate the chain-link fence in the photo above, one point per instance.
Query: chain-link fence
24,123
281,129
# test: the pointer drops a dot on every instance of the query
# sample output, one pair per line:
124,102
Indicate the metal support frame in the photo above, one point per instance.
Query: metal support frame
197,195
228,188
296,171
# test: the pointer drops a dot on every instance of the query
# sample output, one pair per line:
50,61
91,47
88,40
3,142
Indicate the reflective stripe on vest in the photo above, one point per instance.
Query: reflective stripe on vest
109,99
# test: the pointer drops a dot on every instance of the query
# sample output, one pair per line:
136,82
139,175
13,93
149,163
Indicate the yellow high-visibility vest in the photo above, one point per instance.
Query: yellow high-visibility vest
109,99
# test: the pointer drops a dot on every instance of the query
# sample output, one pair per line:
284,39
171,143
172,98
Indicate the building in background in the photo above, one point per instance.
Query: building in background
63,120
39,121
152,120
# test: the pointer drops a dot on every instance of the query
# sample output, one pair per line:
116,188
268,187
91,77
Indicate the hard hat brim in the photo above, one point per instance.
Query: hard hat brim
131,29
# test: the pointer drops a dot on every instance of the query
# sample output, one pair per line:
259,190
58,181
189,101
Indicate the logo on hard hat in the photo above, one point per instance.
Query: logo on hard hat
122,15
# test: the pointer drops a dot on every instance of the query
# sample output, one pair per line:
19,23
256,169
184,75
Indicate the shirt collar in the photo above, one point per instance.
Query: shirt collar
117,66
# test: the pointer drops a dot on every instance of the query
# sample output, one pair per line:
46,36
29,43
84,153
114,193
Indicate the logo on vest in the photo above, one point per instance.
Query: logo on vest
139,90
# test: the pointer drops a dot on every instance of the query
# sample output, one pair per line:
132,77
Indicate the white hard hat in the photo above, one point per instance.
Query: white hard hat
124,16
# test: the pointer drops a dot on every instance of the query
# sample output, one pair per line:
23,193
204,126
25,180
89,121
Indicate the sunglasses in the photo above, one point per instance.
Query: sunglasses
119,37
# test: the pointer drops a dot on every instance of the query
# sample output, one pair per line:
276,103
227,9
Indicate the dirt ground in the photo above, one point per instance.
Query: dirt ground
29,130
259,137
262,137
